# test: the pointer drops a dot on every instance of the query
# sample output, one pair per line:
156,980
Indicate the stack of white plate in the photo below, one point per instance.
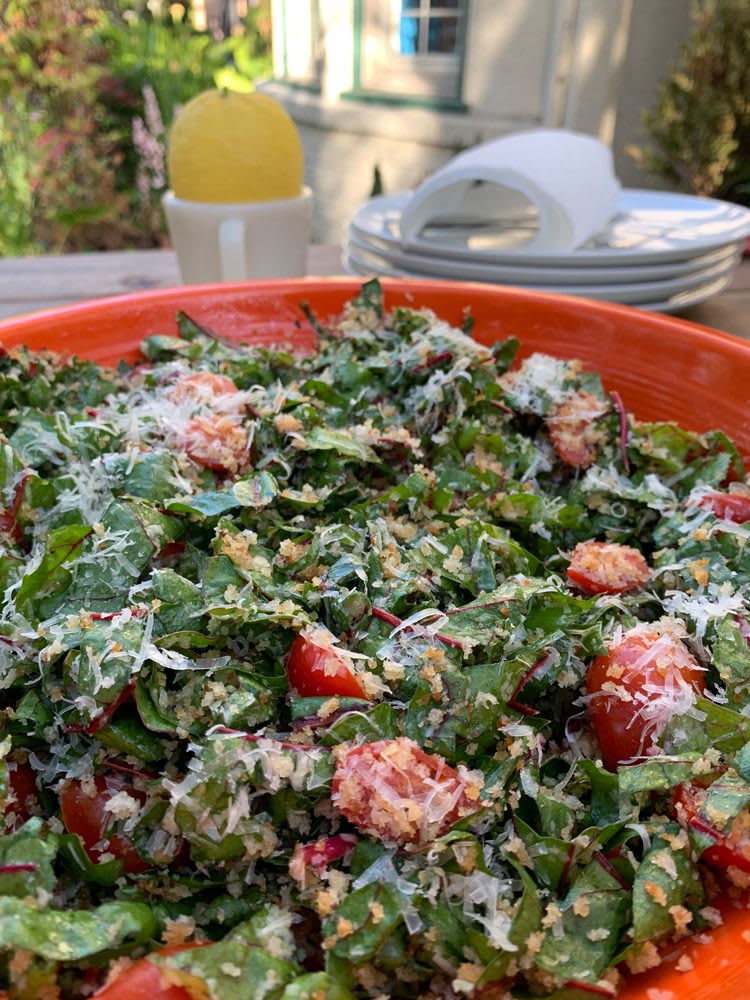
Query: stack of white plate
661,251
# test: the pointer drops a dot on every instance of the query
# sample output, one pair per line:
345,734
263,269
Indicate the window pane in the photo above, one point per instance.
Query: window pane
407,50
443,34
302,41
408,35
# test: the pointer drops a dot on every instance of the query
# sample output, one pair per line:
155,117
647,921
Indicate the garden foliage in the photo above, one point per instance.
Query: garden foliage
87,93
700,126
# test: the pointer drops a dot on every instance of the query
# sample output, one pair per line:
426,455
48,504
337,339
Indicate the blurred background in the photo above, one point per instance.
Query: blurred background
382,91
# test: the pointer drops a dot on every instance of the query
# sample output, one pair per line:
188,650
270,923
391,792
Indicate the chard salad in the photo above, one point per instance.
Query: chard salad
406,668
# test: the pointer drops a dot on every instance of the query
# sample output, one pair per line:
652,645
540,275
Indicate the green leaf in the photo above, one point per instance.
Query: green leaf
219,574
28,845
731,656
153,717
656,774
149,475
230,969
257,491
363,725
370,929
316,986
128,736
70,935
324,439
665,878
161,348
591,936
304,708
210,504
73,855
227,765
605,793
527,920
723,728
181,602
742,763
370,297
63,544
551,855
138,531
726,798
415,486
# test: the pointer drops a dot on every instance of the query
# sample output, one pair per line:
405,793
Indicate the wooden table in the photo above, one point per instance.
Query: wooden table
31,283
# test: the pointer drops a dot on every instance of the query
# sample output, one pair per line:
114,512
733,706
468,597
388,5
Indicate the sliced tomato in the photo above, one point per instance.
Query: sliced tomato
317,856
315,668
23,800
216,442
87,816
573,431
202,387
730,848
645,680
395,791
607,568
727,506
143,980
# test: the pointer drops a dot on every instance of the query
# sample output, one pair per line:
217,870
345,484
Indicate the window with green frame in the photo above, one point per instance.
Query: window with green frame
303,53
410,50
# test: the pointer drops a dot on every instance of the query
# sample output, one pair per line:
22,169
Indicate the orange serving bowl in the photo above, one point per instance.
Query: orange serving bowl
664,369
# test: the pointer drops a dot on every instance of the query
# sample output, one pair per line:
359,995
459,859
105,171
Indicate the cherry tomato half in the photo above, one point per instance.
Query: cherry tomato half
607,568
86,815
201,387
573,431
731,848
216,442
644,680
23,800
317,856
393,790
727,506
316,669
143,980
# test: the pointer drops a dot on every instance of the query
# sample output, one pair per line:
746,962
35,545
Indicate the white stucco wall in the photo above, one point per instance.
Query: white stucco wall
589,65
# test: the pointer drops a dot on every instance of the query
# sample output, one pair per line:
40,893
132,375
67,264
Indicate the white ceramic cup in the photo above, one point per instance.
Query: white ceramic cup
237,242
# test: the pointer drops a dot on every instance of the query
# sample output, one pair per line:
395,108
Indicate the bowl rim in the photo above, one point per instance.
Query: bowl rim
595,307
714,969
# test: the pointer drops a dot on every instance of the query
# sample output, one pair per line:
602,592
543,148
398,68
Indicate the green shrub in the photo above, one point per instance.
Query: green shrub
701,123
87,93
59,157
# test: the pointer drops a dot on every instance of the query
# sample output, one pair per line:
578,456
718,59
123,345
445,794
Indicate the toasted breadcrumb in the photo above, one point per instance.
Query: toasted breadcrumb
645,957
682,917
656,892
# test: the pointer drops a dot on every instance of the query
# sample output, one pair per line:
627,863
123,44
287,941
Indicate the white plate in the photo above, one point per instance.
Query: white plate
470,270
650,227
676,303
626,293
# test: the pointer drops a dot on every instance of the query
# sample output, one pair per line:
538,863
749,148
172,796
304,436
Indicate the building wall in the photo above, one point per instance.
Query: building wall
656,32
588,65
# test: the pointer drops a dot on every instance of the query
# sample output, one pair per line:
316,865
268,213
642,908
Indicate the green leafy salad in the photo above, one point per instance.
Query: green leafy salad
403,669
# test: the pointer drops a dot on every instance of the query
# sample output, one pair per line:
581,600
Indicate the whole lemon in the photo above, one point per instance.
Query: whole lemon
231,147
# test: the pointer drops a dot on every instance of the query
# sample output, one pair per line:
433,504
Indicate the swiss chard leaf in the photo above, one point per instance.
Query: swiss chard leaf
70,935
62,546
665,878
374,912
